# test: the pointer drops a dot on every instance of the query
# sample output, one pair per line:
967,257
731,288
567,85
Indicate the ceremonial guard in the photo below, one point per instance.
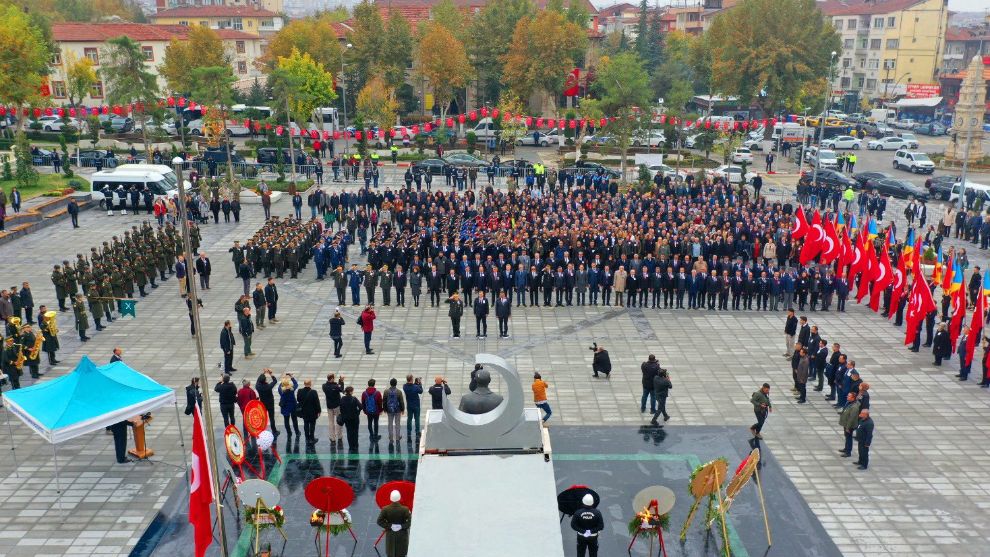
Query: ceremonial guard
82,318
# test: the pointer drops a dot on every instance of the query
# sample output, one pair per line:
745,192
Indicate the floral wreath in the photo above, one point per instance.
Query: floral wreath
648,521
320,520
264,517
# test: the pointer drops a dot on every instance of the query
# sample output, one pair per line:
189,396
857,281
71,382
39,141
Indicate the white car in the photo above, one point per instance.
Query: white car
666,171
732,174
912,140
742,155
544,139
167,127
55,124
753,144
651,138
843,142
826,158
918,163
905,124
234,127
690,140
890,143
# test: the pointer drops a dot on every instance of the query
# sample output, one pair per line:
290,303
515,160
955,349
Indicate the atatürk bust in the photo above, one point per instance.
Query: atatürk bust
482,400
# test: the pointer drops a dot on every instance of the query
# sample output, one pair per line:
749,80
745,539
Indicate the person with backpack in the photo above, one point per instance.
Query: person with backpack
661,389
413,390
395,406
367,323
371,405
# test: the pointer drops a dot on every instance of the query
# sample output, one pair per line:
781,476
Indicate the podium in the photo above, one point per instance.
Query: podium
140,450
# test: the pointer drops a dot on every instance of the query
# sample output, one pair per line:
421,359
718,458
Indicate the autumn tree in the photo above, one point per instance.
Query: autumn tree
544,50
24,57
446,13
623,91
203,48
489,40
302,85
212,85
443,62
767,51
315,36
376,103
80,76
511,131
128,81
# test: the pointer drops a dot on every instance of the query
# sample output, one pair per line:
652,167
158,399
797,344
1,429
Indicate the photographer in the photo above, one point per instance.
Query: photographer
601,362
413,390
437,391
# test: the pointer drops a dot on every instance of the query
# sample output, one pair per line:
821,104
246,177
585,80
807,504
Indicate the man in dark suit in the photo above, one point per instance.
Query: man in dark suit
227,392
271,297
227,345
118,355
433,284
399,283
310,408
503,310
203,268
864,438
481,309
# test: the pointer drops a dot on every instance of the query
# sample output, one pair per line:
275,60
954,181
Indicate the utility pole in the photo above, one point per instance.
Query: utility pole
193,300
821,119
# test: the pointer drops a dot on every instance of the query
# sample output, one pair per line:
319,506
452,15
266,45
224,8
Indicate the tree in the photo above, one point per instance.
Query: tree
446,13
80,76
767,51
315,36
397,50
128,81
511,131
376,103
443,62
489,40
203,48
543,51
623,89
302,85
24,171
212,85
24,57
367,44
257,96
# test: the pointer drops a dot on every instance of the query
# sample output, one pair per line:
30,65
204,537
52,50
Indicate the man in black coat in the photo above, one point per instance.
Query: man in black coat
601,363
119,431
227,345
310,409
864,438
804,333
650,369
204,269
227,392
587,522
481,309
433,284
265,386
399,281
271,297
503,311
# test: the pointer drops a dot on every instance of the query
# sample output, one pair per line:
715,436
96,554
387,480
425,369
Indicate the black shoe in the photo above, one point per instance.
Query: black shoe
844,454
231,369
369,352
654,422
666,418
861,467
913,349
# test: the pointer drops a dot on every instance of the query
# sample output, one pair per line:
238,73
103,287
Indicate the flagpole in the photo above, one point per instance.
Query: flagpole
208,414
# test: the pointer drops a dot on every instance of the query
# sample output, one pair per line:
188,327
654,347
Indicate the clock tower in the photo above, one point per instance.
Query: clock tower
968,120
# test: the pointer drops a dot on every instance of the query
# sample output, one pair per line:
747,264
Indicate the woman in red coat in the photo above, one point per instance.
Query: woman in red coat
367,323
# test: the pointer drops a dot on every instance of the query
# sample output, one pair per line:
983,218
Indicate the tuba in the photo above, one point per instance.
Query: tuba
51,327
35,349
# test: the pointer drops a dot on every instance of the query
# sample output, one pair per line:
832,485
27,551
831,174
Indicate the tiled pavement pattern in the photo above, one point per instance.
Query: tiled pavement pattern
925,493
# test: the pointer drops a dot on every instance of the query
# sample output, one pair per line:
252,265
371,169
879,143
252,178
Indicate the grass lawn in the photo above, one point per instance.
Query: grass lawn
46,183
301,184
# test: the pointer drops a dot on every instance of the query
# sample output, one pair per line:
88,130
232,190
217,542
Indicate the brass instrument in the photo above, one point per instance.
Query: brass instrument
35,349
13,326
21,358
51,326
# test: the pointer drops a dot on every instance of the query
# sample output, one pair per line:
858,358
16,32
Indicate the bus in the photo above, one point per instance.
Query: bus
242,111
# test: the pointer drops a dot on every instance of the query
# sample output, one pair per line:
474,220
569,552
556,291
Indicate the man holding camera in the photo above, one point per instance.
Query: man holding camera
601,362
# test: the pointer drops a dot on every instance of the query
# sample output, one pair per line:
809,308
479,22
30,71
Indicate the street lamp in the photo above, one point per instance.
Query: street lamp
821,119
886,91
343,91
177,163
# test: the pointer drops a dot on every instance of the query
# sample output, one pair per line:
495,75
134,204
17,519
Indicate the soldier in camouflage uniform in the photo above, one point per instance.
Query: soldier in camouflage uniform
58,279
82,318
71,285
95,302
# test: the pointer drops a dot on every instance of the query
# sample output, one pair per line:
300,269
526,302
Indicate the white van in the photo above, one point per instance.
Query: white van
117,183
485,129
979,188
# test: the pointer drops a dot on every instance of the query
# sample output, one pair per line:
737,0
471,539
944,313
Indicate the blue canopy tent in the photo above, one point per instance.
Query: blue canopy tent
88,399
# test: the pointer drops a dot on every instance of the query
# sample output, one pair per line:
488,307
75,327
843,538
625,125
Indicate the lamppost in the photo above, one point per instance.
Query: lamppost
821,119
886,90
192,301
343,91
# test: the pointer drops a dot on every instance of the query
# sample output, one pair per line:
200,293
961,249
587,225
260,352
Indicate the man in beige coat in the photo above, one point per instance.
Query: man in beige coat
619,286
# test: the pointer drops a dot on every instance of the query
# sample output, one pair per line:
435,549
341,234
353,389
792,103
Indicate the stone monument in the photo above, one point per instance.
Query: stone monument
967,124
482,399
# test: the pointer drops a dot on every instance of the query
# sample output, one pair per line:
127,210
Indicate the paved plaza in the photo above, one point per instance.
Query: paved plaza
925,493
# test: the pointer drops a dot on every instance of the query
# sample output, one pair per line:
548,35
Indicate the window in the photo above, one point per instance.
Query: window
149,53
57,56
873,64
97,90
242,67
837,24
240,47
58,89
848,44
862,62
184,23
893,43
93,54
871,84
266,23
859,82
863,43
890,21
845,82
846,62
206,24
693,16
851,24
878,23
875,44
238,23
889,64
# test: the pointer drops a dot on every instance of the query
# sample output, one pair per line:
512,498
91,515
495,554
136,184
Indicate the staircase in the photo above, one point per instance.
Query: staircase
41,214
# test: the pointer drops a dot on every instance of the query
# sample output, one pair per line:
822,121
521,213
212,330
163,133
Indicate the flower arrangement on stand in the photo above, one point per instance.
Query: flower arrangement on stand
647,522
336,522
264,518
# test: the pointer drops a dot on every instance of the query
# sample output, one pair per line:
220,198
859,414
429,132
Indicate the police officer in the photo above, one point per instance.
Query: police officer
587,523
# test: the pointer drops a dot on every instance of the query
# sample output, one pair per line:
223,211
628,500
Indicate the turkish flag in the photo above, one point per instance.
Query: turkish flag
882,277
814,241
858,254
200,488
833,246
868,268
800,224
975,326
921,304
900,278
847,254
957,316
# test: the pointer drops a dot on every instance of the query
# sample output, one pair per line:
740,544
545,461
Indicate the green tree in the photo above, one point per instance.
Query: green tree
257,96
24,171
80,76
367,44
24,57
315,36
446,13
544,50
767,51
489,40
128,81
212,85
397,50
203,48
511,131
443,63
376,103
623,89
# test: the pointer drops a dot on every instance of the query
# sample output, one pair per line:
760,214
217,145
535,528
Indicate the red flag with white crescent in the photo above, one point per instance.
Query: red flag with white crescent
814,240
200,488
868,268
832,245
882,277
976,326
958,316
800,224
858,258
900,278
920,304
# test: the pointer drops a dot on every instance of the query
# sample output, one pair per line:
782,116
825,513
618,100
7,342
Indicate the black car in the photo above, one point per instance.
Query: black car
433,166
594,166
220,156
866,179
516,163
901,189
830,178
89,157
941,186
269,155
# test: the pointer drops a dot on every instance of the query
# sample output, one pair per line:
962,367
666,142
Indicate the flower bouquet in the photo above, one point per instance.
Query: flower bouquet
264,517
336,522
648,521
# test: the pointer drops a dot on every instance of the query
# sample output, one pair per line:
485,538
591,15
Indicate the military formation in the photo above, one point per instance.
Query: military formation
96,285
279,246
22,347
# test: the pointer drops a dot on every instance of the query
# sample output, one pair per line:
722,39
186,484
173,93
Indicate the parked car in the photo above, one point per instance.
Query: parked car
666,171
55,124
825,158
741,155
829,178
464,159
932,128
941,186
843,142
269,155
586,165
120,124
905,124
753,144
521,164
540,139
650,138
167,127
690,140
430,166
901,189
732,174
911,139
219,155
915,162
88,157
866,178
890,143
